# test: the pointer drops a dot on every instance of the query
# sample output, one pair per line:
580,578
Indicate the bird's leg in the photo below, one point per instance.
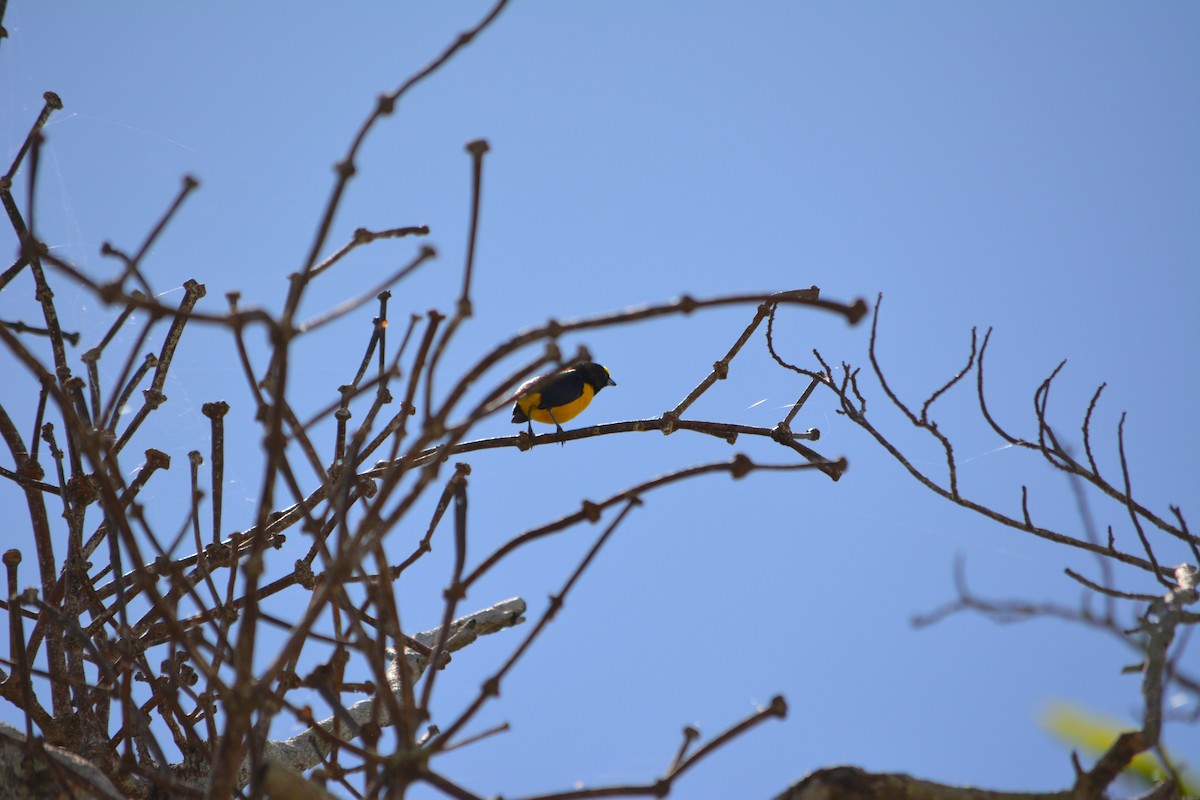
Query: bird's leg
558,427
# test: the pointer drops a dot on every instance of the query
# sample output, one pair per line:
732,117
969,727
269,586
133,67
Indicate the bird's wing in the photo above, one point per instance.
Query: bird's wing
562,390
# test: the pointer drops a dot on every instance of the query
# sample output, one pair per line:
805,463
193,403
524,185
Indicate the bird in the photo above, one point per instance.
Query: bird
561,396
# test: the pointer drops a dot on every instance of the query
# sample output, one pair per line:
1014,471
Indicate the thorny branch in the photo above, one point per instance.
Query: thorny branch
1156,619
137,661
1048,444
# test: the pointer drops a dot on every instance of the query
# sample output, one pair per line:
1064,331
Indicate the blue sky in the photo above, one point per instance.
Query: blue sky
1027,167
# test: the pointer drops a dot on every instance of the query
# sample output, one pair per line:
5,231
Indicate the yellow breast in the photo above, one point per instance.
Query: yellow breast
530,403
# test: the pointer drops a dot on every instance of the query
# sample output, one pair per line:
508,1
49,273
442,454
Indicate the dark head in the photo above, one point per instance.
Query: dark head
595,375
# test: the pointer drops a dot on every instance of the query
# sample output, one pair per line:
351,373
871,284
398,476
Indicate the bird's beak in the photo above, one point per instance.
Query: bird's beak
611,382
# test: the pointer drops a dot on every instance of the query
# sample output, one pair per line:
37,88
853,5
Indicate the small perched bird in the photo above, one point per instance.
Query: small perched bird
561,397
